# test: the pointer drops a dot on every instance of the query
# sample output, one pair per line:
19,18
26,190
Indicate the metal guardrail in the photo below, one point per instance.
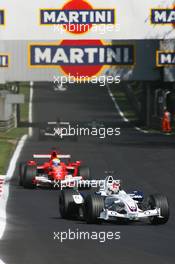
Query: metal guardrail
7,124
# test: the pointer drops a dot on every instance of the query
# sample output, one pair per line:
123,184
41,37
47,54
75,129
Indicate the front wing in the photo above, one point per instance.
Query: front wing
112,215
68,182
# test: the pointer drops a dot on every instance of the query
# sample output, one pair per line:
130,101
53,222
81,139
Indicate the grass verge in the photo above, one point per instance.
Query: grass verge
24,108
6,151
9,139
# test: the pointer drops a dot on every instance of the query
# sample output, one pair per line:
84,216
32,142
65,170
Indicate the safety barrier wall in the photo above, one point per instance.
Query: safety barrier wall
7,124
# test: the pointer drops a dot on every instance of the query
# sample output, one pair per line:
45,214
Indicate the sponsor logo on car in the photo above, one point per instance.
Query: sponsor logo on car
4,60
79,14
83,57
165,58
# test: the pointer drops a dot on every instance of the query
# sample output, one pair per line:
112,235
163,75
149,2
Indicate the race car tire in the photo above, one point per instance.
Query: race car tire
29,175
41,136
94,205
159,201
74,138
84,172
22,166
67,206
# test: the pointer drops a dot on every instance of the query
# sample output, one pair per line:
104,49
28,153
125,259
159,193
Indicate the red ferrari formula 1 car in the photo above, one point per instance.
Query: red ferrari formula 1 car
58,171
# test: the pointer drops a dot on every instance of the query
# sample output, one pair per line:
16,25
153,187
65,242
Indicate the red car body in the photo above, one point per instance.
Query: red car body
34,173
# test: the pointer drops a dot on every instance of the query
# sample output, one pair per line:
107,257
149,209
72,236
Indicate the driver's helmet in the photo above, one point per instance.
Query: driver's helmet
55,162
113,186
54,155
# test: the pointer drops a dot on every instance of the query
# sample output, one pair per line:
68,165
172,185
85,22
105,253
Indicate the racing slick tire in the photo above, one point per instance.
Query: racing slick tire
74,138
84,172
22,166
41,136
159,201
29,175
68,208
94,205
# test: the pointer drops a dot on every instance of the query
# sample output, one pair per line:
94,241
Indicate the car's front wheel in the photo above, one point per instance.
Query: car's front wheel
29,176
67,206
94,205
159,201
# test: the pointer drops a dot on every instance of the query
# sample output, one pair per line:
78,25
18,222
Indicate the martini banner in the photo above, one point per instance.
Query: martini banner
87,19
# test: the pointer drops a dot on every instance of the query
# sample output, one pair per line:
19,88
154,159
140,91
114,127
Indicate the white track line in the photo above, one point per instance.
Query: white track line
116,105
141,130
5,193
10,171
12,166
121,113
30,108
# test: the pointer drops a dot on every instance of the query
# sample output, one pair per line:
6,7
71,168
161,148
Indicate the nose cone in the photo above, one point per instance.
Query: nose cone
58,173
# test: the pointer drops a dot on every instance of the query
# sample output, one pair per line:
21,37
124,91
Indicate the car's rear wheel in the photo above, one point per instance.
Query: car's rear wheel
159,201
41,135
84,172
29,176
22,166
67,206
74,138
94,205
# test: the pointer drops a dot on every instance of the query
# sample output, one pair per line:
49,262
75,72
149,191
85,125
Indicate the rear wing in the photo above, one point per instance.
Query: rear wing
48,156
58,123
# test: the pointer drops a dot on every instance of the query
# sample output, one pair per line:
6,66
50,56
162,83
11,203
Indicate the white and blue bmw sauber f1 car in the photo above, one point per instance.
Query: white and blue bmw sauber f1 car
111,203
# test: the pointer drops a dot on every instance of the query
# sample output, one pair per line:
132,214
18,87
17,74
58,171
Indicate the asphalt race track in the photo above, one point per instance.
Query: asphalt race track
142,161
